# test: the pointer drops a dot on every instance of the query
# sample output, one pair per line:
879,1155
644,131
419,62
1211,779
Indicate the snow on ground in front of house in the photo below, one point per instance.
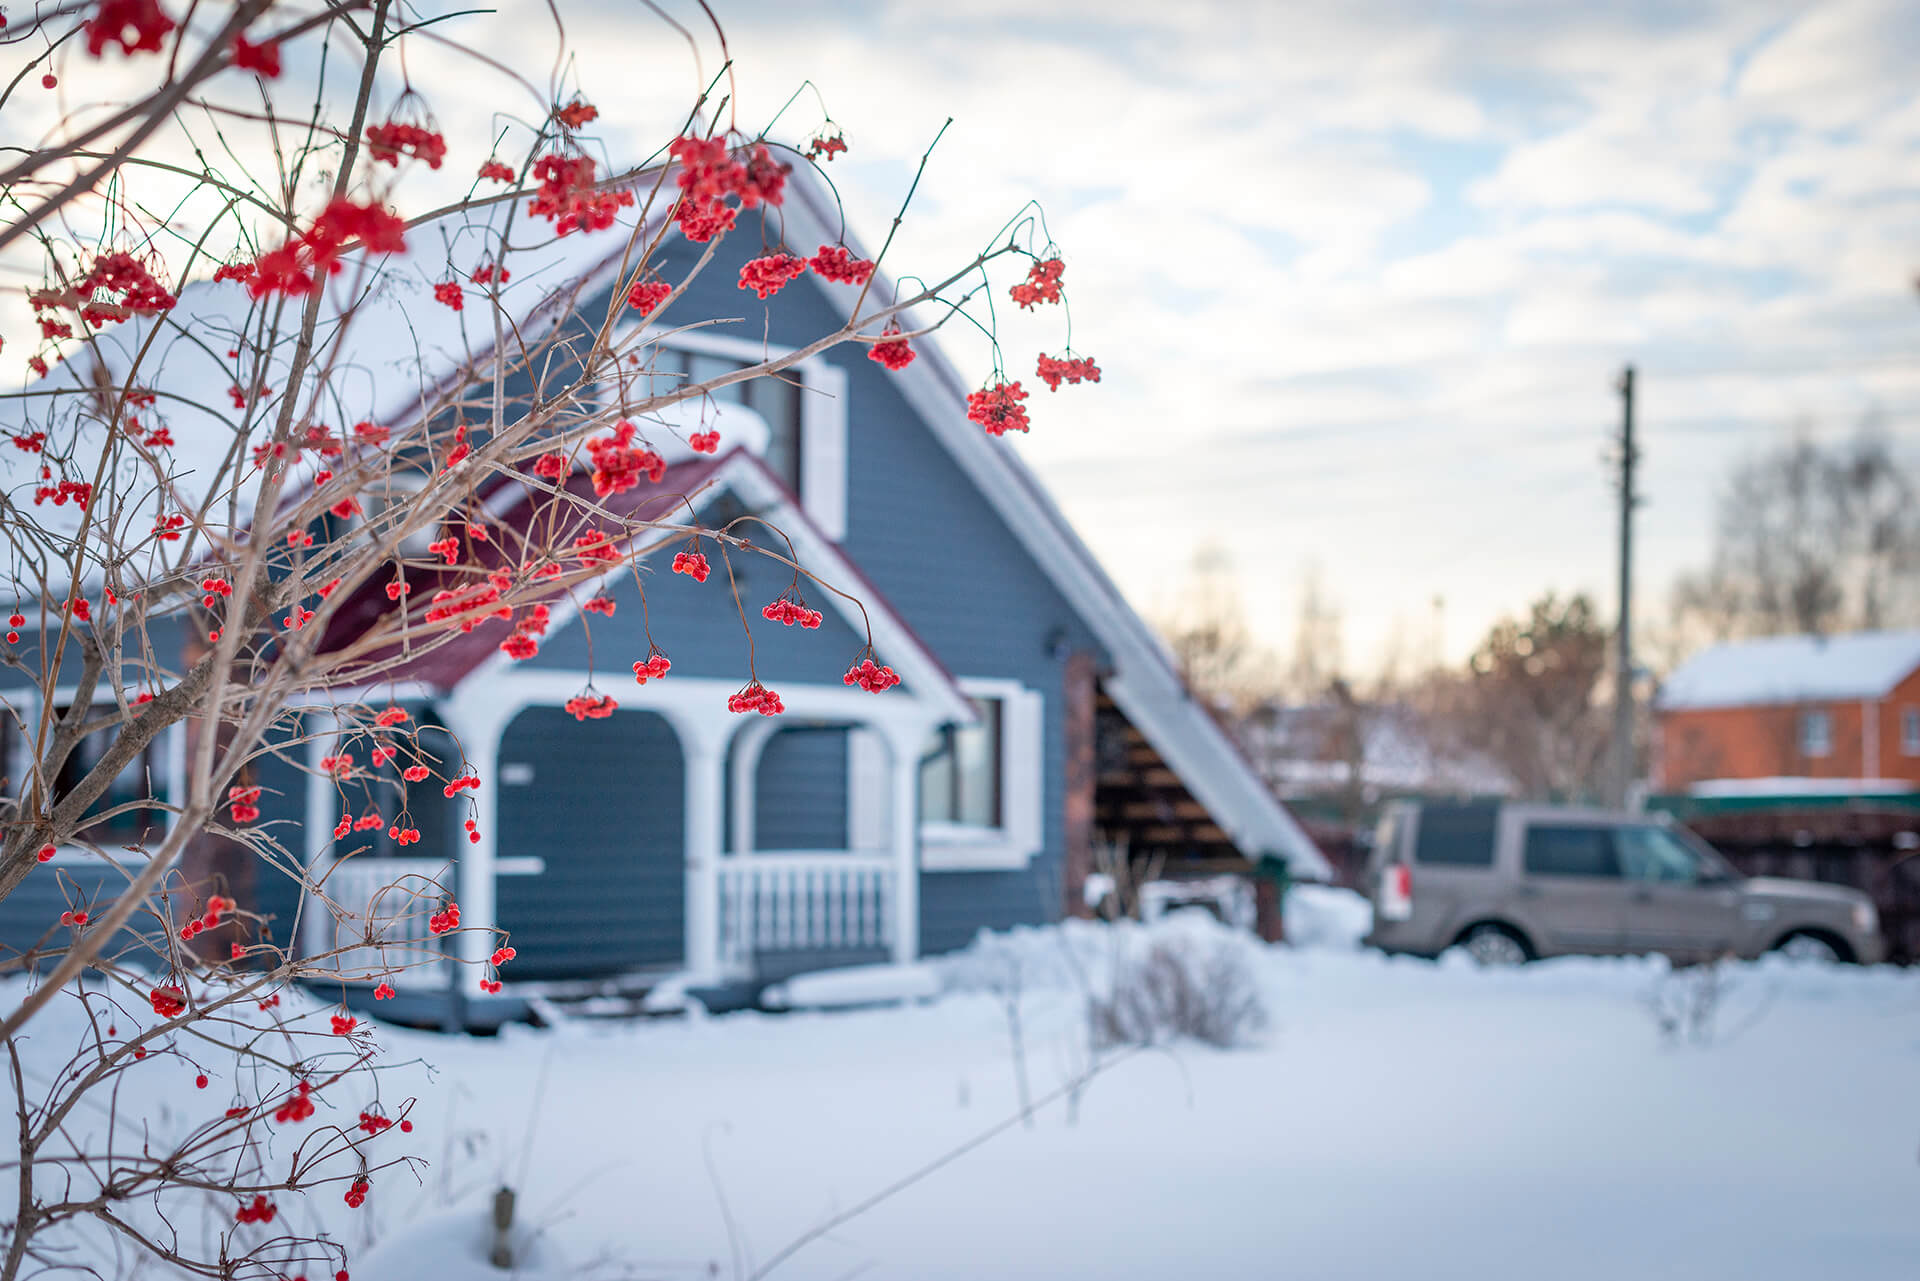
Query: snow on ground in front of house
1400,1118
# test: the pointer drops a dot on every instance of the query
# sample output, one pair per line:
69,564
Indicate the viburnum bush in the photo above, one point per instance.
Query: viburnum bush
290,338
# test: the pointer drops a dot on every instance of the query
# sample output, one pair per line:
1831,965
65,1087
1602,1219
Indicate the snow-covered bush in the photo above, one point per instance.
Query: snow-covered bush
1194,981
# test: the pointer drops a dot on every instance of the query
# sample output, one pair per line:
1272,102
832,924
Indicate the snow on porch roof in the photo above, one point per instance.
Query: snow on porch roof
461,656
1793,669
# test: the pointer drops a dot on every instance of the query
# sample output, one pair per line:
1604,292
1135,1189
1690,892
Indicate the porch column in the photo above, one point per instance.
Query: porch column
903,742
477,721
322,809
703,745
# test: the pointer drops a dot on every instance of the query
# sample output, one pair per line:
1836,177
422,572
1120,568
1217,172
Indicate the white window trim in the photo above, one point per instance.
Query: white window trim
1807,720
172,745
957,847
823,421
1910,719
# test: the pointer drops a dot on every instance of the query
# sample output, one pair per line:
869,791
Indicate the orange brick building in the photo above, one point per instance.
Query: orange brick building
1792,707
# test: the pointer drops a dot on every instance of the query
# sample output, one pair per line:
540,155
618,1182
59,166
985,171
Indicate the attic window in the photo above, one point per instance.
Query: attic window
395,490
1910,731
775,398
142,779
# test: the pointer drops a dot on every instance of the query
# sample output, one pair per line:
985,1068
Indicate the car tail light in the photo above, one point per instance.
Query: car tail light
1396,892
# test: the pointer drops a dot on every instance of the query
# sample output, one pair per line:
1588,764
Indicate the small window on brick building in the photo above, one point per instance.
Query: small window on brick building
1910,730
1816,733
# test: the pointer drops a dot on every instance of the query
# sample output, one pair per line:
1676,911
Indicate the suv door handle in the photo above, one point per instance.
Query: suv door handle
1528,891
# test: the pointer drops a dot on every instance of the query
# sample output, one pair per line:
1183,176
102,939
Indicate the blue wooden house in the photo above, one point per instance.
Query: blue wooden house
678,845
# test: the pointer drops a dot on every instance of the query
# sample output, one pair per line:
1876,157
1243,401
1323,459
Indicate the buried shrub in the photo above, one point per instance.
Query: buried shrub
1195,983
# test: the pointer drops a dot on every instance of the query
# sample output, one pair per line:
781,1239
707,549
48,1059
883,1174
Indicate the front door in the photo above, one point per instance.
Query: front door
1670,908
1571,894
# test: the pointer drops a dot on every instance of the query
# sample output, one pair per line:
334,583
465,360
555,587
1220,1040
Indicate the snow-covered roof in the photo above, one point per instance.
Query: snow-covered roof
1793,669
1791,786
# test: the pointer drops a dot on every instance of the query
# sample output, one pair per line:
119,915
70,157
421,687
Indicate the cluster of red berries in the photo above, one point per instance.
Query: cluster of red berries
343,1024
290,269
998,408
357,1194
704,442
73,918
382,753
491,986
404,835
135,25
871,677
297,618
577,114
496,172
297,1106
491,273
826,146
617,465
214,587
384,992
217,907
80,609
263,58
524,643
340,766
1072,369
393,140
756,698
597,707
261,1211
443,921
241,803
473,832
168,1000
599,605
838,264
391,716
447,293
595,548
167,528
551,466
78,492
692,564
415,773
447,549
501,955
374,1123
466,782
767,276
567,197
654,668
787,611
648,294
896,354
158,438
1041,285
15,621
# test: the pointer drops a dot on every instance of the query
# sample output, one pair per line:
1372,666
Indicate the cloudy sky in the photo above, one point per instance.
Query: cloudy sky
1361,275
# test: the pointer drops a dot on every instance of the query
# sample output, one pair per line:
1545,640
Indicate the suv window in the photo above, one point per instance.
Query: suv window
1570,851
1655,854
1456,835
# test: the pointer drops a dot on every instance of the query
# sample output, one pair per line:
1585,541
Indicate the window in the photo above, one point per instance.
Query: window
1570,851
141,779
396,491
981,785
1655,854
960,771
1456,835
1816,733
776,399
1910,730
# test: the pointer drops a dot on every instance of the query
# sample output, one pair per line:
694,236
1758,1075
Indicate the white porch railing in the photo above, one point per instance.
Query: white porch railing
782,902
384,905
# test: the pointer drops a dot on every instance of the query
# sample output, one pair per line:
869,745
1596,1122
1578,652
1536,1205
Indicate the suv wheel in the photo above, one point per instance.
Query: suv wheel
1494,946
1808,947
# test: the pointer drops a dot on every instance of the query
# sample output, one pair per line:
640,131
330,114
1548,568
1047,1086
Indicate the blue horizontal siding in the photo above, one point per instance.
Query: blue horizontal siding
800,796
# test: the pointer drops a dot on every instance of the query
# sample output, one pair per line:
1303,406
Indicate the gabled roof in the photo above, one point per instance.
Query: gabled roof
1793,669
459,657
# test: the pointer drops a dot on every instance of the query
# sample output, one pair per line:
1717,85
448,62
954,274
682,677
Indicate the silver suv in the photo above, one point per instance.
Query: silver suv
1513,882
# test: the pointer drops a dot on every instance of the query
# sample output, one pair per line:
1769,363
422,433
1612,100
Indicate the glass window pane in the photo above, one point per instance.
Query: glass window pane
1570,851
936,781
778,401
1456,835
700,368
976,752
1654,854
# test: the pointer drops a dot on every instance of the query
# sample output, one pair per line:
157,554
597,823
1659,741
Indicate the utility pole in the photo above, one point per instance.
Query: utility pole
1620,778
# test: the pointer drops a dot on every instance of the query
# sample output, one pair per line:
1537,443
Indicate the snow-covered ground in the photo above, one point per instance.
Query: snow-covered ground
1400,1118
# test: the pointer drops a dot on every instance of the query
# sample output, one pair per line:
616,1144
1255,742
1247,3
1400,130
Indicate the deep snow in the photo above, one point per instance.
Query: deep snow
1402,1118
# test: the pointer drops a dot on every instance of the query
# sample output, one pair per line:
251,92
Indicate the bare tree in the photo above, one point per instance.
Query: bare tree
1812,537
1207,628
278,417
